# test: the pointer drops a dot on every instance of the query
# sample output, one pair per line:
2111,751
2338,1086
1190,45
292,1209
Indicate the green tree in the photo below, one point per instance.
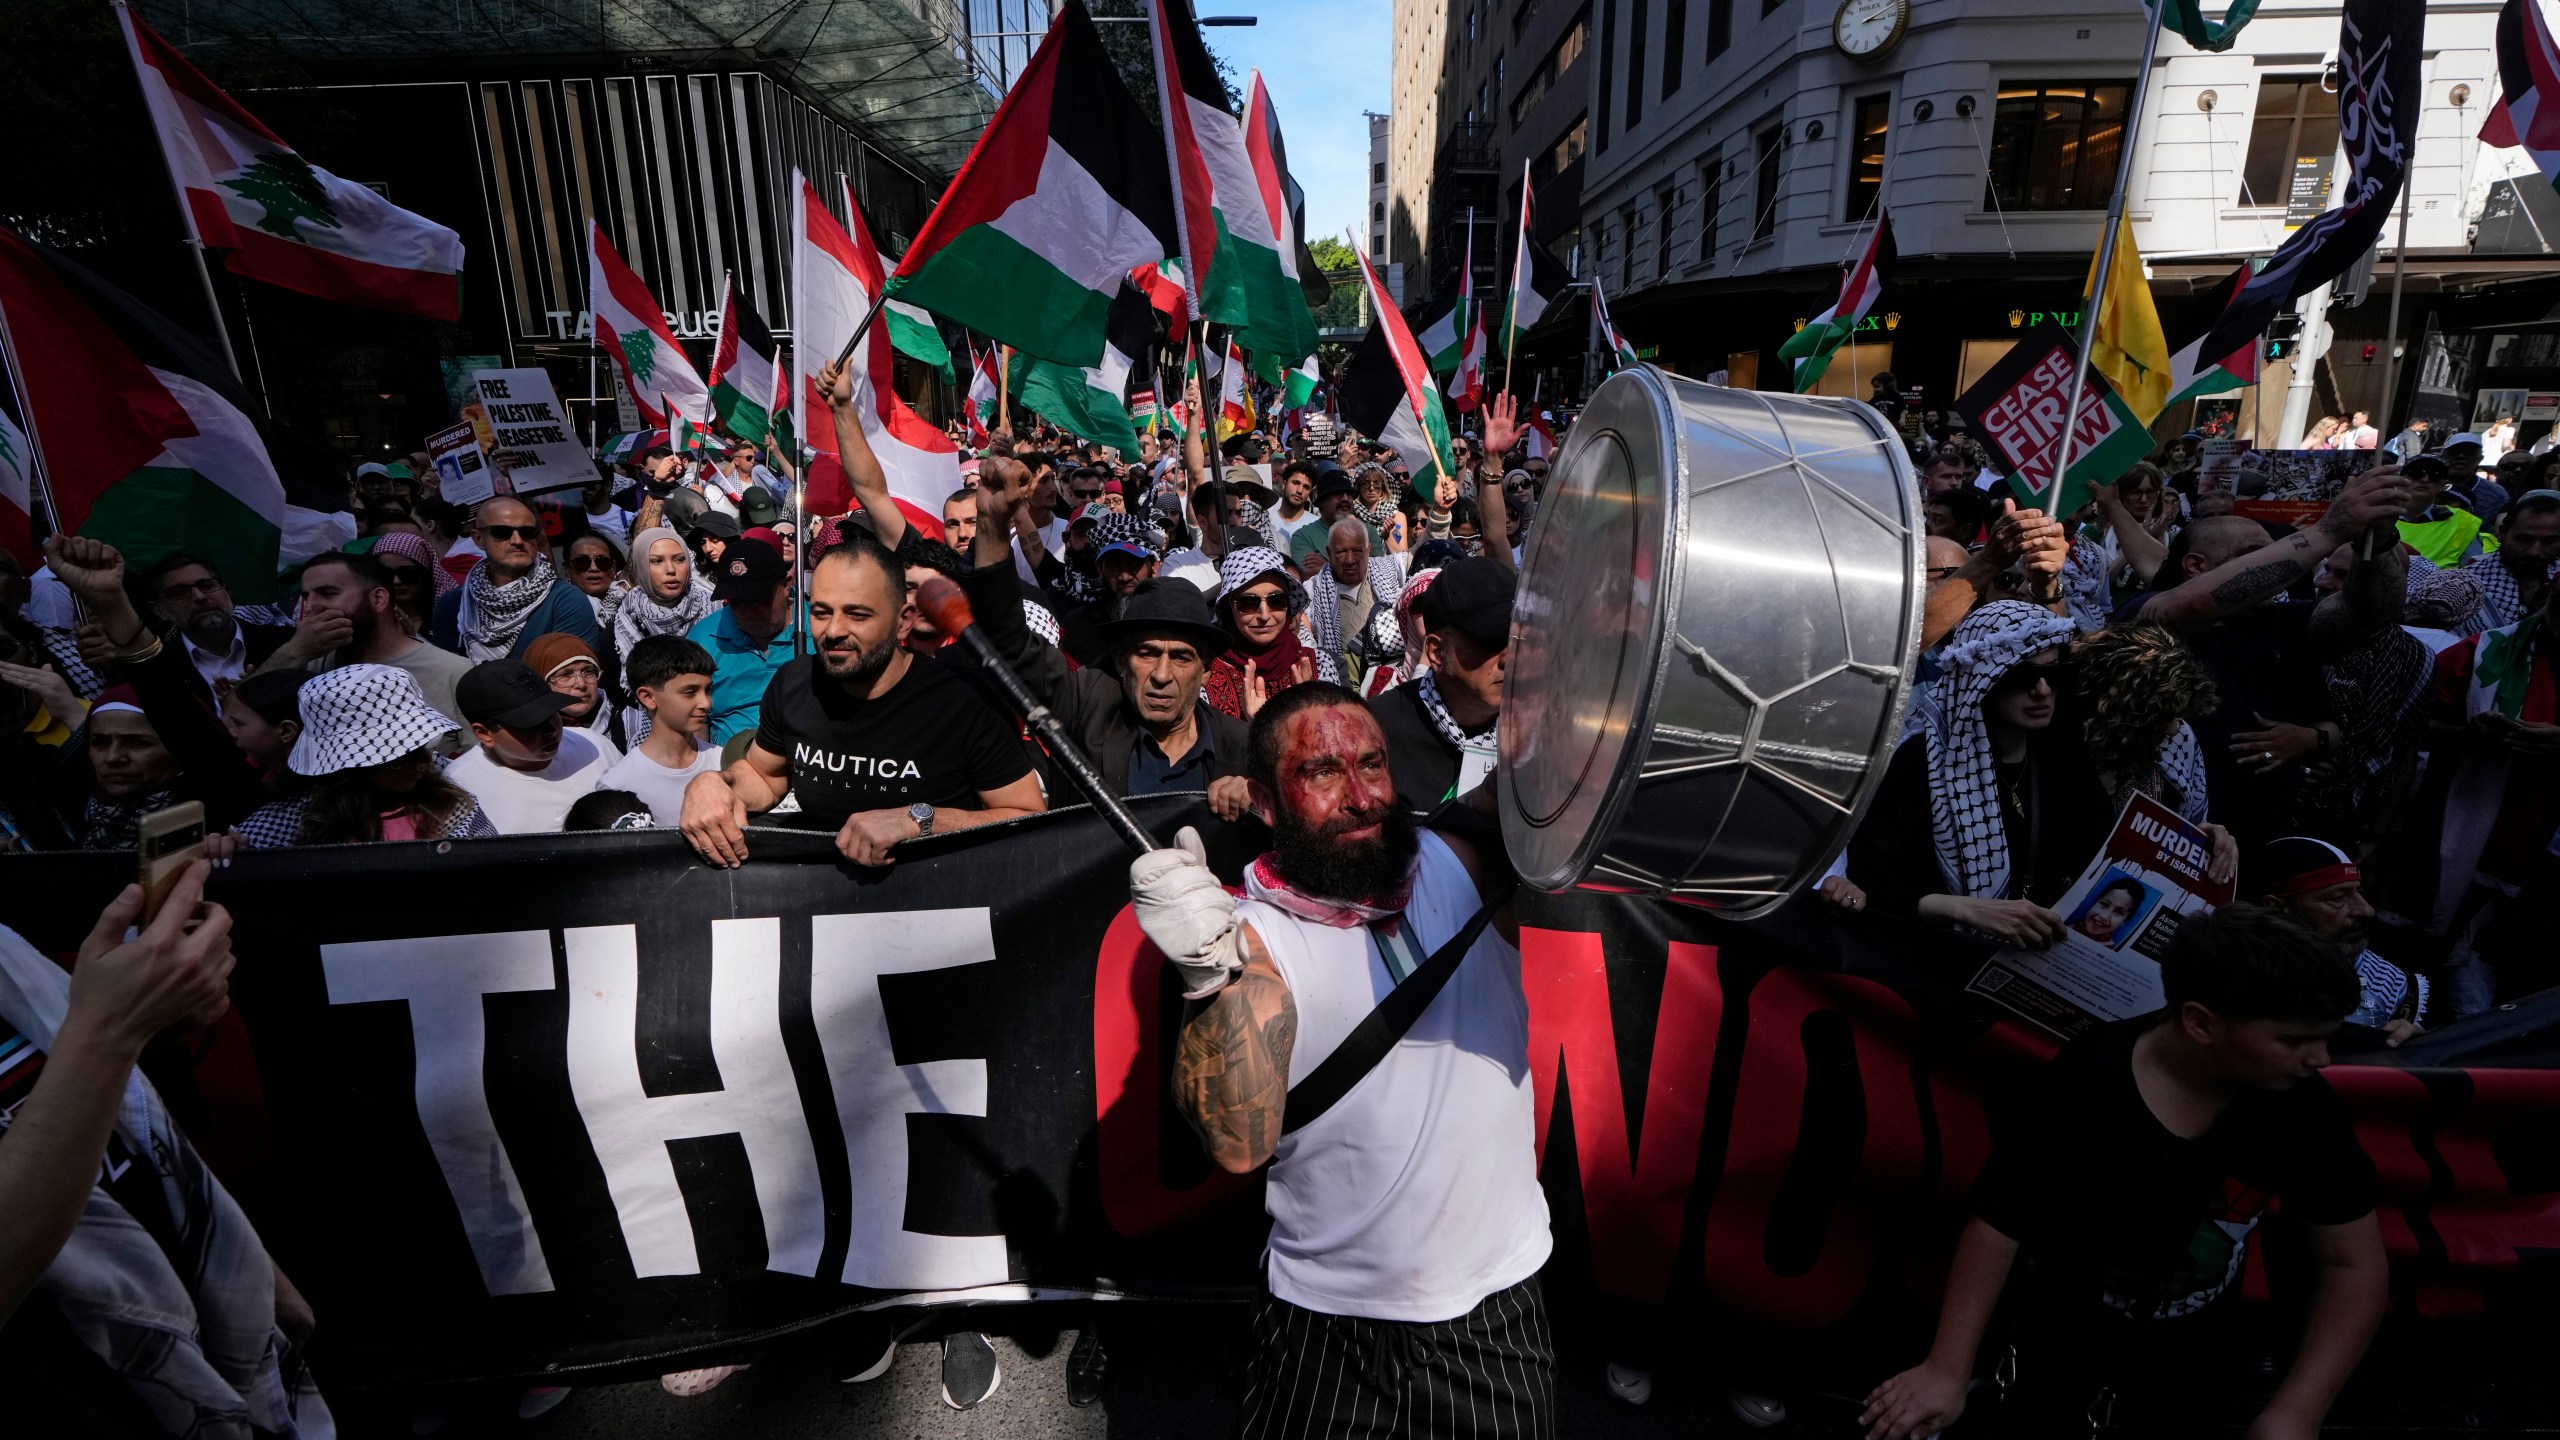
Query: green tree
284,187
1332,254
1132,50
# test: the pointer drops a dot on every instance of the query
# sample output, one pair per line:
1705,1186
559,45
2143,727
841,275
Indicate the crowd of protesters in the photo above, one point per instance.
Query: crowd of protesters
2361,712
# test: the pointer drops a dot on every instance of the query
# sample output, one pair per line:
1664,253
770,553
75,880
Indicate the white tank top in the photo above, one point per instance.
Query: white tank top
1417,1195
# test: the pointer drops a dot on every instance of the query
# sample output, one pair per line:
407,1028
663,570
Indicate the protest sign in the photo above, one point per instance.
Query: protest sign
2219,463
463,473
530,435
2017,408
624,1113
2118,917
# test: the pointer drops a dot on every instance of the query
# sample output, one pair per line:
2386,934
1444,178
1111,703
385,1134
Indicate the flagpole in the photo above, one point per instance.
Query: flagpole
27,413
1004,388
1511,307
2399,268
2096,303
194,242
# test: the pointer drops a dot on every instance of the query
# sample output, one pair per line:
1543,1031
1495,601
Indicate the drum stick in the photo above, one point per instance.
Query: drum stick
943,603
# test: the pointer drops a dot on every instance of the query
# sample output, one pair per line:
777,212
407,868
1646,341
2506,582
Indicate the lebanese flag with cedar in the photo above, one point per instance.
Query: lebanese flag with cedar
836,272
1062,197
634,331
278,217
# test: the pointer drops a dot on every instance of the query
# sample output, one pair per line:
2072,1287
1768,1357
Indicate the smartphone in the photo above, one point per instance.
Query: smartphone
170,840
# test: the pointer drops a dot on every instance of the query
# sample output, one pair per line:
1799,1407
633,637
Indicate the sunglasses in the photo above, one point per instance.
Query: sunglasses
590,562
2026,676
512,532
1277,602
206,586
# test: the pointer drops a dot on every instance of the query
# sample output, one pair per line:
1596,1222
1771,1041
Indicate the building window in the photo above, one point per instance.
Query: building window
1377,244
1378,212
1541,80
1471,24
1635,62
2054,143
1710,206
1770,147
1377,172
1866,155
1521,17
1627,248
2296,120
1675,38
1719,28
1665,200
1497,68
1608,68
1552,161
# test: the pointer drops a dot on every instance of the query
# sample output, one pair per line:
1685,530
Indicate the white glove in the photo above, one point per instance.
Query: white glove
1188,914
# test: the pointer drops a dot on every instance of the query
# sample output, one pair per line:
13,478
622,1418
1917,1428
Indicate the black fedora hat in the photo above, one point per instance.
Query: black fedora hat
1168,606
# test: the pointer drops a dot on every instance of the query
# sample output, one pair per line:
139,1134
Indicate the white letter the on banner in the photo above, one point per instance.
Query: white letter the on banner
442,978
875,1095
758,1101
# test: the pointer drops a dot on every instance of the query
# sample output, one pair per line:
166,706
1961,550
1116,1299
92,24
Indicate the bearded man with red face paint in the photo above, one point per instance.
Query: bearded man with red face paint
1407,1222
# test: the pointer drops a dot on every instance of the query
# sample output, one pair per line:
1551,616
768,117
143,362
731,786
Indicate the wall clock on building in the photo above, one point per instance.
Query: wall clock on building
1865,29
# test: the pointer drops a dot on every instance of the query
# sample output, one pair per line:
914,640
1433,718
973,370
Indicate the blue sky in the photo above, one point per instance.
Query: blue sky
1324,61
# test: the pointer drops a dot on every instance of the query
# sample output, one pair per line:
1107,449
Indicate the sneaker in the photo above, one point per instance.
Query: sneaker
1760,1412
1629,1383
1088,1368
969,1370
875,1345
540,1400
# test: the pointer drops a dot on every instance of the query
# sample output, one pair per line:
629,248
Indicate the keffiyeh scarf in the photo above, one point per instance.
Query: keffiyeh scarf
1262,882
1324,612
493,615
634,612
2501,599
1476,752
1275,663
1972,840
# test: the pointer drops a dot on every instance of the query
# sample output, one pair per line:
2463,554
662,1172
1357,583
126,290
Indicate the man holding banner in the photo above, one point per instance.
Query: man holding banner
1408,1225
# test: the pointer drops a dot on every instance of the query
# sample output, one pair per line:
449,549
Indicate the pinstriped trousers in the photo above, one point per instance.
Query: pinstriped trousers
1490,1373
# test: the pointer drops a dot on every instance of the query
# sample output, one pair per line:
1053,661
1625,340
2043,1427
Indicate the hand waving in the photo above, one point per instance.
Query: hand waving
1501,429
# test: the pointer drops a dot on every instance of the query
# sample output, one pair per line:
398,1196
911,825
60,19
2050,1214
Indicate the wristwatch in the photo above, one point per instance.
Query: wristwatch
922,814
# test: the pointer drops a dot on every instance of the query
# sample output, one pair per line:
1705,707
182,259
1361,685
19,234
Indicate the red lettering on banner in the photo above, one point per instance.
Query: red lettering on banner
1129,1091
1633,1204
1767,1136
2481,1216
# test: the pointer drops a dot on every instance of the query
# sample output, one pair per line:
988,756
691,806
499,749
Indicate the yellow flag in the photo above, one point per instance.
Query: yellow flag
2128,347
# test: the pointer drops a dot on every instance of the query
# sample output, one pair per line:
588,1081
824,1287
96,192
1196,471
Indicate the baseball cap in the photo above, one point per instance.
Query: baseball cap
2465,438
507,693
758,507
747,570
1123,535
1472,595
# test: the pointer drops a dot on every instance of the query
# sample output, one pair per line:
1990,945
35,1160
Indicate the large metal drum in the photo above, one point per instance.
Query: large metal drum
1718,617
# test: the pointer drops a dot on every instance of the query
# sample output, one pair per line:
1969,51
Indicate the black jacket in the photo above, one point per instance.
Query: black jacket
1424,765
1089,704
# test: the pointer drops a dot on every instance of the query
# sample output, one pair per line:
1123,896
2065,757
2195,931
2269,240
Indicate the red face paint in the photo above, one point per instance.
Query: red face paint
1333,769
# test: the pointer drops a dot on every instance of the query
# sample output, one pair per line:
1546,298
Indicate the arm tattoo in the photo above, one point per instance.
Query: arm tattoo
2258,582
1231,1065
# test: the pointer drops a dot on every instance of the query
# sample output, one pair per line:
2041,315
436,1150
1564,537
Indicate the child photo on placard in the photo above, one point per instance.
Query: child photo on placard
2114,909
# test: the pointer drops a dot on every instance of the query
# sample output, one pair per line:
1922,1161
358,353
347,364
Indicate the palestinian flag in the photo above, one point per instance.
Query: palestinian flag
1621,354
748,395
1181,409
686,435
1386,390
1143,412
1537,278
1235,395
1811,348
2193,374
149,440
835,272
1092,403
1466,382
914,334
1244,272
1162,284
979,410
1301,383
1538,436
2528,74
618,448
278,217
1287,206
1064,194
1443,340
632,329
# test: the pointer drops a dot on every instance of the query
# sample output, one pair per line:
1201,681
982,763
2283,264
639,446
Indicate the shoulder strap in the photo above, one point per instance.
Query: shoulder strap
1378,1031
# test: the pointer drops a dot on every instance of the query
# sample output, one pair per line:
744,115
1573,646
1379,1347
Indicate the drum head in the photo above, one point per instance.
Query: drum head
1718,615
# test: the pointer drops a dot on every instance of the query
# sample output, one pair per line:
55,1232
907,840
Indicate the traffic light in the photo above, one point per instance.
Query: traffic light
2284,333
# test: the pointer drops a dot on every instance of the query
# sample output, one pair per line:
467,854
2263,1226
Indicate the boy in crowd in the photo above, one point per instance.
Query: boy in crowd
670,679
528,769
2135,1184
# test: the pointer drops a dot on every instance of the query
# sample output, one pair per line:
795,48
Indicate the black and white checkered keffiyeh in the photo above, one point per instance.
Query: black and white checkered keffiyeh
1324,612
493,615
2501,599
1964,785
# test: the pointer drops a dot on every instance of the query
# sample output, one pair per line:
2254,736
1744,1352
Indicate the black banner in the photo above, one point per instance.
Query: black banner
580,1103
